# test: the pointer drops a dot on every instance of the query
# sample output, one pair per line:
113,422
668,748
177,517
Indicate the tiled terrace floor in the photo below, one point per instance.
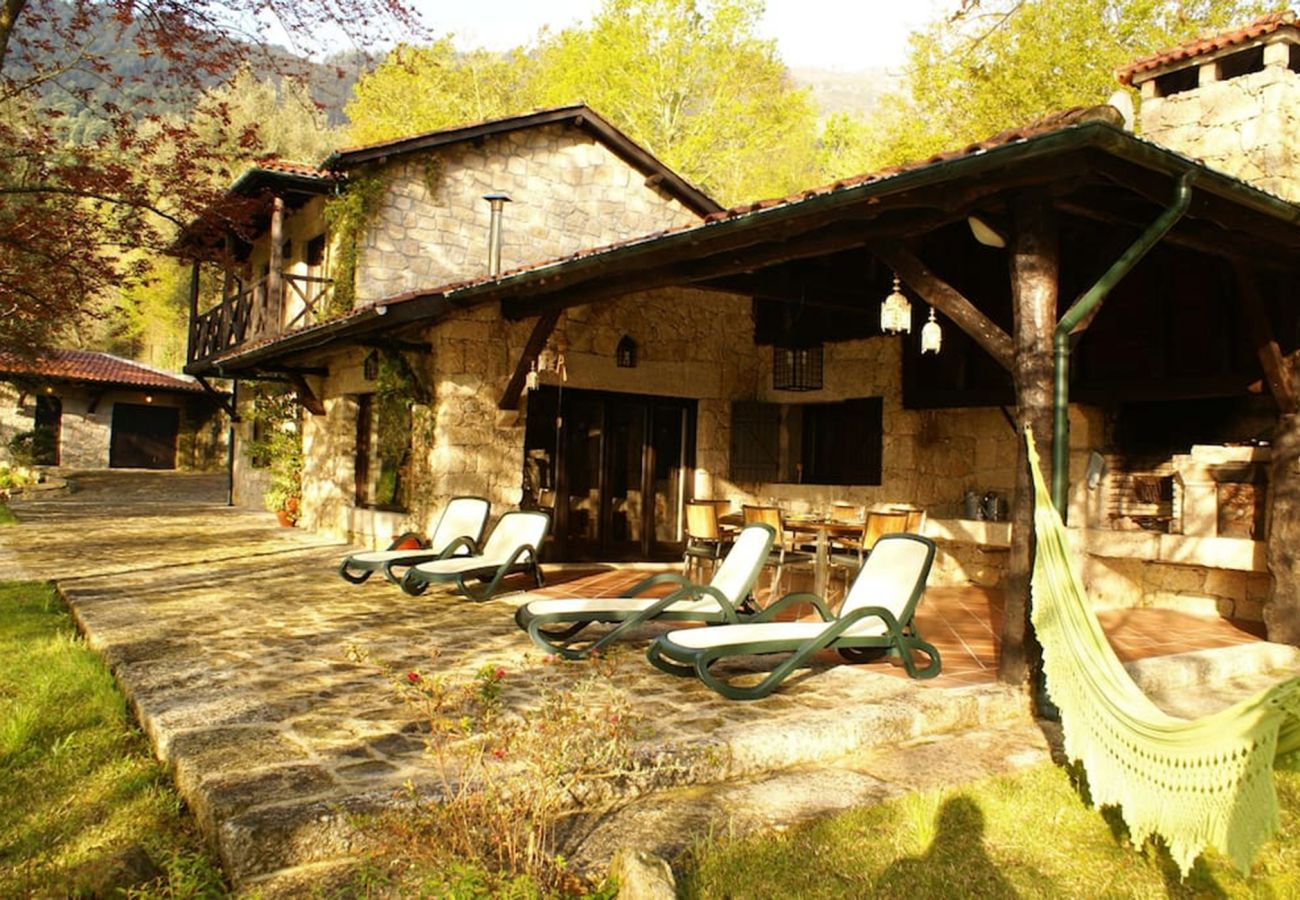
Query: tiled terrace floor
964,623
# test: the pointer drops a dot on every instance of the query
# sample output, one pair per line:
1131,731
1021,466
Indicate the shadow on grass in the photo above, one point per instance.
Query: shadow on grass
958,845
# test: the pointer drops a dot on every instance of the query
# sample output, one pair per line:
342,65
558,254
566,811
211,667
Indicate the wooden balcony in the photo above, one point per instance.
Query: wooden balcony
247,313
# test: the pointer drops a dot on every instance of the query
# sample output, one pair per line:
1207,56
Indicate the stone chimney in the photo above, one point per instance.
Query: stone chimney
1231,100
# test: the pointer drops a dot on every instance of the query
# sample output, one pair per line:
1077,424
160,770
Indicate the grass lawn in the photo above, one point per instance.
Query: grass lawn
82,800
7,516
1028,835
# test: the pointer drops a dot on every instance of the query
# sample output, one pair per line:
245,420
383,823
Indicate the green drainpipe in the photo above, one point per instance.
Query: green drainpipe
1079,311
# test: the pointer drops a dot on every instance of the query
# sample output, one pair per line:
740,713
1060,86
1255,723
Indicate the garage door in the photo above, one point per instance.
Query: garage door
144,437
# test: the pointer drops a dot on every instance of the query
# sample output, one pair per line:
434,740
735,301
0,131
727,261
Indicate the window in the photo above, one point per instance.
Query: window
315,255
383,452
808,443
1177,82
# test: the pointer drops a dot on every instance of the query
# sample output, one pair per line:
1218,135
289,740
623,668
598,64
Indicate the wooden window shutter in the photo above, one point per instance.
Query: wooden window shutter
755,441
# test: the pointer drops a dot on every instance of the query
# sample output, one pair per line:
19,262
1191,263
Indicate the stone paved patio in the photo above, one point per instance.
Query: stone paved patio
231,639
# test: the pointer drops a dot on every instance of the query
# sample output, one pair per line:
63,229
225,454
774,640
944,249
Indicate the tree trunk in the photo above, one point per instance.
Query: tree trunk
10,10
1282,612
1035,262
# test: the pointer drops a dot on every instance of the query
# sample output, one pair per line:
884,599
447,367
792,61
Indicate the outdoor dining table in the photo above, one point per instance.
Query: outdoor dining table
822,526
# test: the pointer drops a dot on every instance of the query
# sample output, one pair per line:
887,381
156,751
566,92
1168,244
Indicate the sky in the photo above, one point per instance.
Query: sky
830,34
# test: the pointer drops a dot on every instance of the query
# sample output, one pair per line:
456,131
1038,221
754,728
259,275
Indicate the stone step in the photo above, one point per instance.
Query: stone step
1201,682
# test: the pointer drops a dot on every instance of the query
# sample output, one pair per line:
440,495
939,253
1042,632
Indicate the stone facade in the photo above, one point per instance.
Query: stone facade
86,436
1247,125
568,193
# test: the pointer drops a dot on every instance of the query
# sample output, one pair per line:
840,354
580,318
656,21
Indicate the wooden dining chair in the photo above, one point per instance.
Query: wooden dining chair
704,538
875,525
782,554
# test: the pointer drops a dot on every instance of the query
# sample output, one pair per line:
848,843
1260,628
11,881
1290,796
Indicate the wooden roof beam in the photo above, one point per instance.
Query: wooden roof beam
1276,370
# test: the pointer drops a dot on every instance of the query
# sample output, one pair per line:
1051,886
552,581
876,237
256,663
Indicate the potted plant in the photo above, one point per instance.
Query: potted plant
277,446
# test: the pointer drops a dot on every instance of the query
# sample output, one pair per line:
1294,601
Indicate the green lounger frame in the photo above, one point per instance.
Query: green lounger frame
729,589
459,530
670,653
513,546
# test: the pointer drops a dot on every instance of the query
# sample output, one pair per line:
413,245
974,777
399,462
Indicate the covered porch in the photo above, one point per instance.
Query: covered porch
999,238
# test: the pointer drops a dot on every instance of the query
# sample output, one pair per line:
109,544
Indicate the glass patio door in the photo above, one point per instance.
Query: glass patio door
614,468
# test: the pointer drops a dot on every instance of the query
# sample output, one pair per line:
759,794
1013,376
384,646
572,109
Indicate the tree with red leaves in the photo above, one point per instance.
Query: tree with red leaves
82,207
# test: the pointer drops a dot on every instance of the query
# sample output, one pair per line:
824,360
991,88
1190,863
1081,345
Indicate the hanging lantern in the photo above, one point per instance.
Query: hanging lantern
797,368
931,335
625,353
896,312
370,366
530,380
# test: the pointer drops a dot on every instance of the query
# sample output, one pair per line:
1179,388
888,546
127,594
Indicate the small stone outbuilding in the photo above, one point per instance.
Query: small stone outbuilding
88,410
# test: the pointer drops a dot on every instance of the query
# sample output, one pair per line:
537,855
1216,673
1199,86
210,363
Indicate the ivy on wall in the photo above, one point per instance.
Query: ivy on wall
347,215
398,393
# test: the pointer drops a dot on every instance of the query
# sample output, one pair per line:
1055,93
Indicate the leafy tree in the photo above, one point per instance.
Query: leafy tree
1002,63
687,79
93,169
428,88
691,82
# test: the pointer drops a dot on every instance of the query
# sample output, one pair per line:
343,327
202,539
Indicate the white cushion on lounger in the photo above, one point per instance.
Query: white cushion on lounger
512,531
382,556
577,605
756,632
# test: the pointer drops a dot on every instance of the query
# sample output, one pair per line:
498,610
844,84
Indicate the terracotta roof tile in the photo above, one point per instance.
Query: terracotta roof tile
289,167
1208,43
99,368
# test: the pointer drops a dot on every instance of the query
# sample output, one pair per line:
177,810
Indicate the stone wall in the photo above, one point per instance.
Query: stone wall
1247,126
569,192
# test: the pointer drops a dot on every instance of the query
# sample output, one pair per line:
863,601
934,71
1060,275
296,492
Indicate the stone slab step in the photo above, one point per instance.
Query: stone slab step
1201,682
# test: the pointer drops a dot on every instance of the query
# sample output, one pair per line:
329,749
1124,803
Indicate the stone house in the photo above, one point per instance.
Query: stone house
676,350
96,410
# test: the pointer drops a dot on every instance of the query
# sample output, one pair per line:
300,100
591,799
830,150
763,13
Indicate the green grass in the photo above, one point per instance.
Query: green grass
1028,835
77,781
7,516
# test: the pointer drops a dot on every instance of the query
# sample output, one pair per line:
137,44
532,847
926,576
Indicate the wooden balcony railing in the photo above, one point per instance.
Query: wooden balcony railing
247,313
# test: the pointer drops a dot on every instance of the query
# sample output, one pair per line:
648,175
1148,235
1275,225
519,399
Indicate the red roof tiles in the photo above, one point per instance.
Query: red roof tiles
289,167
1208,43
98,368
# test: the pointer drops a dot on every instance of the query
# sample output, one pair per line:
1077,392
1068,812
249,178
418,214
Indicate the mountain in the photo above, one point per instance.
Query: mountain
854,92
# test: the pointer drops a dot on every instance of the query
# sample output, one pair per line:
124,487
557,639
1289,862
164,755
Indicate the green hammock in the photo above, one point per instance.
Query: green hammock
1197,783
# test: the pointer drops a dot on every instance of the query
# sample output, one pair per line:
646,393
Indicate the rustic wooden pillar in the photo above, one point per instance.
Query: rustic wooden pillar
1035,265
194,313
1282,546
227,305
275,276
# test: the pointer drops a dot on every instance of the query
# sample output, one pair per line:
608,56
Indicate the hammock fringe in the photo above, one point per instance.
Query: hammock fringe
1197,783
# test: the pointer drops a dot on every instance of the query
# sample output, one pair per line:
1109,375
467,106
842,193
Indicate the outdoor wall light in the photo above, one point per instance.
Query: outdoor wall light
896,312
625,353
370,366
797,368
931,335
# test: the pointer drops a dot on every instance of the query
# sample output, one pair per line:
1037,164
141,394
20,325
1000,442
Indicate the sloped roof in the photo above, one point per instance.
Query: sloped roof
1054,122
284,173
578,115
1074,131
96,368
1208,43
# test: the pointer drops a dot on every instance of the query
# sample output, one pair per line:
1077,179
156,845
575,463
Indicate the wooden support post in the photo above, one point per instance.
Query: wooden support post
227,306
1276,371
1035,267
532,349
194,312
275,275
1282,610
948,300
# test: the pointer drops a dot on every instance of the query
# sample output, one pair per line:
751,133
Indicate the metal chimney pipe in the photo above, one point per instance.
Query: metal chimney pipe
498,200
